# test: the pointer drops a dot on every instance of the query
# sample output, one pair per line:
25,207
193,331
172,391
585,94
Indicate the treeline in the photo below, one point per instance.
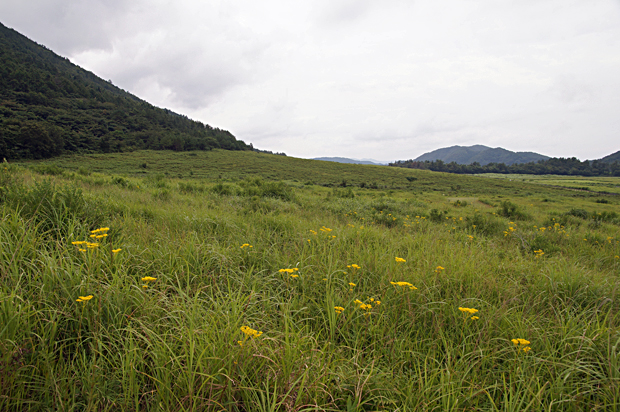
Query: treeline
555,166
49,106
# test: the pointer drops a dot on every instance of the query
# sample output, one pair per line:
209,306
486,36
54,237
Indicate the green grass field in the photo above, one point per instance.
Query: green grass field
593,184
240,281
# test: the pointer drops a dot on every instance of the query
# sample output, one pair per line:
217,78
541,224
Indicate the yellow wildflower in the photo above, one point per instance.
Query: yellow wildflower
84,298
246,245
251,332
338,309
400,260
149,279
468,310
116,250
404,284
294,276
474,318
352,284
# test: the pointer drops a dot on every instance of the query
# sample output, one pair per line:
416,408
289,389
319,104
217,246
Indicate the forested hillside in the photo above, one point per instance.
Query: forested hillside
480,154
553,166
49,106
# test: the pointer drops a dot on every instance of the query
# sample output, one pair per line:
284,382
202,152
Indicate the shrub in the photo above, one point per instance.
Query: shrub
162,195
511,211
437,216
51,170
485,224
222,189
343,193
460,203
119,181
581,213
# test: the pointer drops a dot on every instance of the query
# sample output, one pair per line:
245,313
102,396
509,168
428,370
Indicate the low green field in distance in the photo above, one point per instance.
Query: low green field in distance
594,184
278,287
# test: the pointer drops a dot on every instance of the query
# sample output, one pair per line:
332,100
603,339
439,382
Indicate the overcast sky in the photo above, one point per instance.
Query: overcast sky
385,80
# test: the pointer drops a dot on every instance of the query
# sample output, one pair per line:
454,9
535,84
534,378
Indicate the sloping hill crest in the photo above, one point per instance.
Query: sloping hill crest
50,106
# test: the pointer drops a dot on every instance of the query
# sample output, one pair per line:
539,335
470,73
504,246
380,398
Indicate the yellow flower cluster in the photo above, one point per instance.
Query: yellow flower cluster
363,306
338,309
353,266
100,233
538,253
522,344
510,230
438,269
249,332
290,271
400,260
246,245
404,285
469,311
82,243
84,298
148,279
325,229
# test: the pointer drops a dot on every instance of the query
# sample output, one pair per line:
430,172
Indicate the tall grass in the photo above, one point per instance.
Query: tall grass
177,344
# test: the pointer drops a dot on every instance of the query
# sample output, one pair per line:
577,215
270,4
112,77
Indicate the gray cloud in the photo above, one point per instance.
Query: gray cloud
385,80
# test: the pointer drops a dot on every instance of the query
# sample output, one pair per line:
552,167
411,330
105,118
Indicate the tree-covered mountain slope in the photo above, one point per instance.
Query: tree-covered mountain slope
50,106
614,157
479,154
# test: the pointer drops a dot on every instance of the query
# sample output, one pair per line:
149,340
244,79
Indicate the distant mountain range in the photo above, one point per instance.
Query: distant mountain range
480,154
347,160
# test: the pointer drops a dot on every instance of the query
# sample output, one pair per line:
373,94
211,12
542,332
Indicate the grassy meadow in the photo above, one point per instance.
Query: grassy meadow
240,281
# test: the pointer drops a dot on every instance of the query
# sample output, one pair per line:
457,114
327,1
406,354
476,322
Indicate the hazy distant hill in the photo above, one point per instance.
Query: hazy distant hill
346,160
49,106
480,154
614,157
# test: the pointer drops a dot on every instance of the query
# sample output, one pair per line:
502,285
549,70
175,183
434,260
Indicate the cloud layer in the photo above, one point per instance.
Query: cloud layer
385,80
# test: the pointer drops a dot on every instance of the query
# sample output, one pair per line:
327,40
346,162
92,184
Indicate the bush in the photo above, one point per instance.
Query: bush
581,213
437,216
189,188
222,189
459,203
119,181
261,188
343,193
51,170
511,211
485,224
